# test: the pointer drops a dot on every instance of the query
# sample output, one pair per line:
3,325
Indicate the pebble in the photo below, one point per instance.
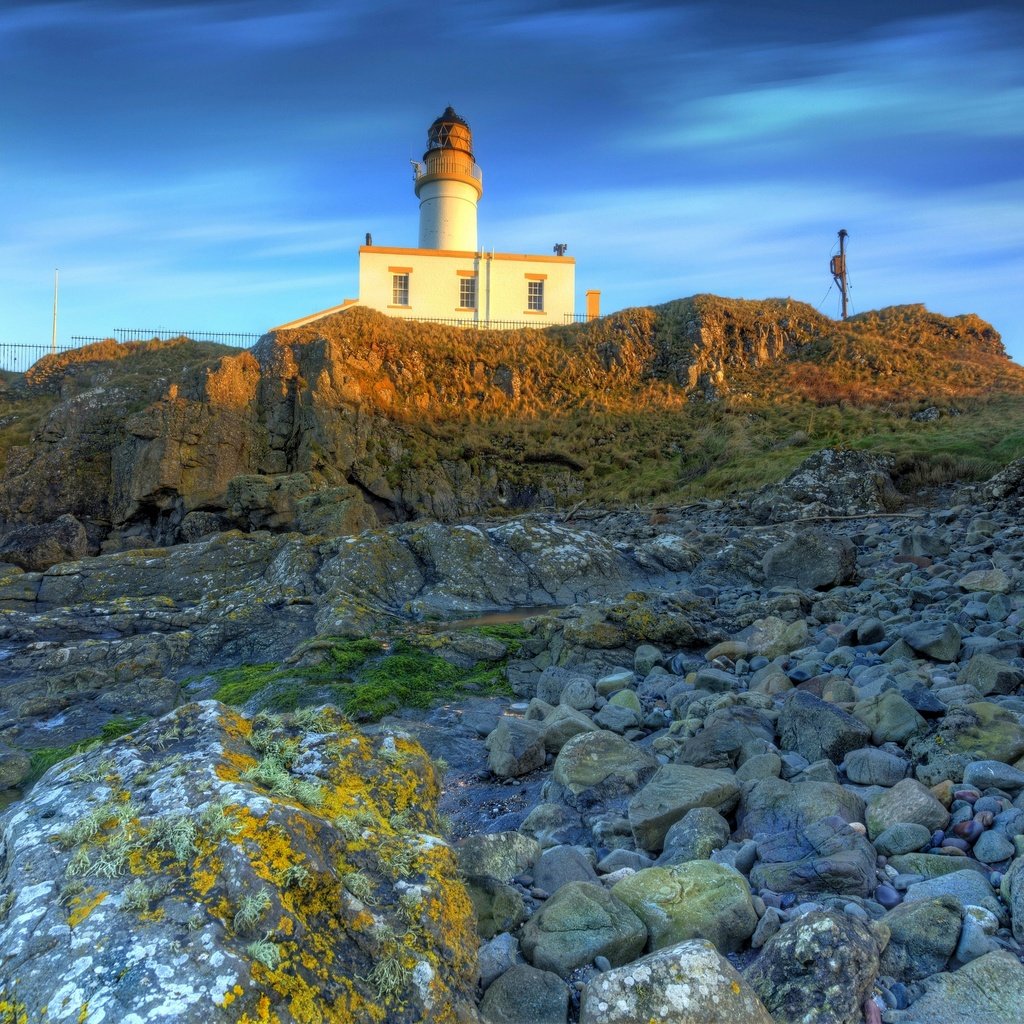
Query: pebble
887,896
967,832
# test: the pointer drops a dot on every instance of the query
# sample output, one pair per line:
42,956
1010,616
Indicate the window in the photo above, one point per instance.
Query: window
535,296
467,293
400,290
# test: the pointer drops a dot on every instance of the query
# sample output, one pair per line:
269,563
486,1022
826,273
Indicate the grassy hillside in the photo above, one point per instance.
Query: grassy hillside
699,397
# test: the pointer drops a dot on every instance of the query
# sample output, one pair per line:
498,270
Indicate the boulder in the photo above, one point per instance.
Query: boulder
559,865
991,675
772,637
1007,486
889,716
36,547
616,718
525,993
992,581
616,681
593,767
993,848
554,824
922,937
908,802
931,865
725,735
817,729
969,886
980,731
498,907
561,724
819,968
673,790
989,990
902,838
497,957
579,694
994,774
832,482
695,836
645,658
15,766
827,856
554,679
209,859
689,983
580,922
869,766
937,640
774,805
516,747
694,900
1012,890
499,855
810,561
626,699
671,552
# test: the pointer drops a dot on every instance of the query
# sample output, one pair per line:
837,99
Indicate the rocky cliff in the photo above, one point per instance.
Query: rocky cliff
360,419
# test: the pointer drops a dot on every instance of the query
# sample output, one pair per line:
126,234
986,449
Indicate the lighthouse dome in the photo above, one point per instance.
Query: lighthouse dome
450,131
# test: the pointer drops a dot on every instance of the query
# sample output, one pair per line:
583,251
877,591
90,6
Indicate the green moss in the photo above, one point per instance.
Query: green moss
409,677
366,681
237,685
349,655
511,634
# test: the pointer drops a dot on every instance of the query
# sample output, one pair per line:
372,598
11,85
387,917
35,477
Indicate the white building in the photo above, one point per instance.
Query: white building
448,277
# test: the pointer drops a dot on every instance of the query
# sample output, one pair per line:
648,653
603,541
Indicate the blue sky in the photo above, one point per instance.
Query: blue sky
215,166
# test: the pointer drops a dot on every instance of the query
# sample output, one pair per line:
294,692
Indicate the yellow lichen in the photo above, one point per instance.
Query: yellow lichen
230,996
11,1011
81,907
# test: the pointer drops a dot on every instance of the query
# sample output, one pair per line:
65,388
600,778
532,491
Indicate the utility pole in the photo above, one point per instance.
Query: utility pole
838,268
53,337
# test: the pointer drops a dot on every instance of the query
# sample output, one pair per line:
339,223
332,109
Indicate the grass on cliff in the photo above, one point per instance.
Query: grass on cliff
970,441
732,446
44,758
367,681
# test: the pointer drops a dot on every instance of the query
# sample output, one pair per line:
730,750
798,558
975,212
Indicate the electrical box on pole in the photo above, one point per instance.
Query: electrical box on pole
838,268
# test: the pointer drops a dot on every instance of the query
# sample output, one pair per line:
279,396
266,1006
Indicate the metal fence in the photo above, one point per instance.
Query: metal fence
17,358
235,338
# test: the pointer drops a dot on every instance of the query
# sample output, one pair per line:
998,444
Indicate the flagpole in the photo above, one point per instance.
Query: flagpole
53,337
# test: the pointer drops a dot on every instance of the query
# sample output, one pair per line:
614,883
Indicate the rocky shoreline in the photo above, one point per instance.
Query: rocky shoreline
765,763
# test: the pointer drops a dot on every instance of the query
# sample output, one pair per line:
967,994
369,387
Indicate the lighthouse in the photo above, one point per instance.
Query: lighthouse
449,185
448,278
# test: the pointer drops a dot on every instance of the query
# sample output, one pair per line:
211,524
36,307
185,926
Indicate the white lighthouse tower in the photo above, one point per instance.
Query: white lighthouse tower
449,184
